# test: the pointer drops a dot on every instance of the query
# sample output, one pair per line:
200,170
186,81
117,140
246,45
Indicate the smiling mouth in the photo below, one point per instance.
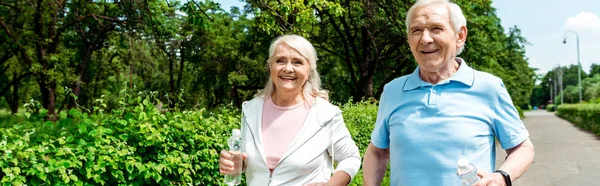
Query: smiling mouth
287,78
430,51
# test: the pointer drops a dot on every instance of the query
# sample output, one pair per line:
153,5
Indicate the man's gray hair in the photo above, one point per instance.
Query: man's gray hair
457,18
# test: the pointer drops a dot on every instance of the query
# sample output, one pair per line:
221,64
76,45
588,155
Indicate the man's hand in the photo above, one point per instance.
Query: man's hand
490,179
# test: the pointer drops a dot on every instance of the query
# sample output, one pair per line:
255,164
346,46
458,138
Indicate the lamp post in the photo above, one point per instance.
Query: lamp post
578,62
550,87
560,82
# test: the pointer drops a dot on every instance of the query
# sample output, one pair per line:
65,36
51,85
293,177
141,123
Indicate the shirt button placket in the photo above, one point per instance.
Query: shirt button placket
433,97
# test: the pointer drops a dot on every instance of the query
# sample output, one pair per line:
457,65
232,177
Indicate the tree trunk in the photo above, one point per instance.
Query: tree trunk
171,84
82,68
181,62
14,105
48,91
364,89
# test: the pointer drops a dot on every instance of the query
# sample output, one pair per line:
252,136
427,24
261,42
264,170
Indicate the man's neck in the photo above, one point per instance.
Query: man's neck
442,74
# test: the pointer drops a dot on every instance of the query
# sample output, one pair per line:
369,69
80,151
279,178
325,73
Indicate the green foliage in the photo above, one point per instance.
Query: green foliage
360,119
591,92
586,116
520,111
570,84
136,144
551,107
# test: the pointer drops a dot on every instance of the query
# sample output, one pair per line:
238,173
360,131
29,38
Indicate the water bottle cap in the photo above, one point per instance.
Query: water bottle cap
463,163
236,132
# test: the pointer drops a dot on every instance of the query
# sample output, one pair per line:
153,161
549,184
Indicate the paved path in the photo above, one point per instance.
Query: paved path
564,154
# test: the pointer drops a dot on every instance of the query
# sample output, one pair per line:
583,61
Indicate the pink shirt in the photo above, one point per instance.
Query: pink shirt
280,125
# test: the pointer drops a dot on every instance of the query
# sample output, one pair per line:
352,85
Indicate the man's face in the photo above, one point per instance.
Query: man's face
432,39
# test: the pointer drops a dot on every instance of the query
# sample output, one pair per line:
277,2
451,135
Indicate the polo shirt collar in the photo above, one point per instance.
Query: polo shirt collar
464,75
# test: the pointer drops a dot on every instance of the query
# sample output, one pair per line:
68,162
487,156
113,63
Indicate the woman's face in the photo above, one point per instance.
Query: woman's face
288,69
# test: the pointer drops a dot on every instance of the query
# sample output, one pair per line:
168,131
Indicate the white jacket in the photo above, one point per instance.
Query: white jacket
309,159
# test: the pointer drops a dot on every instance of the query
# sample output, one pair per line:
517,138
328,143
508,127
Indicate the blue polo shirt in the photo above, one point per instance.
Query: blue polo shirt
429,127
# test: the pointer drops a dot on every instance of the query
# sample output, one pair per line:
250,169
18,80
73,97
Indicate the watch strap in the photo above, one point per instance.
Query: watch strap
506,177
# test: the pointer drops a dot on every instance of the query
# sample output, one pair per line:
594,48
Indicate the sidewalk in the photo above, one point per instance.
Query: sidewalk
564,154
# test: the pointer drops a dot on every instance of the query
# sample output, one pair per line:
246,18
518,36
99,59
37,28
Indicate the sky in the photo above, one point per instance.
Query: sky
543,23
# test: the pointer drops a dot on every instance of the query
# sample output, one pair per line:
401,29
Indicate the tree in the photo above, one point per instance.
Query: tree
592,88
363,44
357,39
594,69
43,31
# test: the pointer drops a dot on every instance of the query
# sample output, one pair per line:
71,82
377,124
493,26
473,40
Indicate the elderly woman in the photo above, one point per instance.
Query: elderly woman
292,134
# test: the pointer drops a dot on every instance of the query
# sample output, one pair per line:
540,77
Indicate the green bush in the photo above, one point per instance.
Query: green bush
360,120
586,116
551,107
134,145
521,114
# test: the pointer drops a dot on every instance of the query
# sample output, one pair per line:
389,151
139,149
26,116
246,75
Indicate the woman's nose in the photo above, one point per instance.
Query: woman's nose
288,67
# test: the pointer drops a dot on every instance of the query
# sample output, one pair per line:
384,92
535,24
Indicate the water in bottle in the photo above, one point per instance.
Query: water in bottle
235,148
467,172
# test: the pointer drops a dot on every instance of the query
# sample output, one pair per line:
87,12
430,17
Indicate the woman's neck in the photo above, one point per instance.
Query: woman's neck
285,100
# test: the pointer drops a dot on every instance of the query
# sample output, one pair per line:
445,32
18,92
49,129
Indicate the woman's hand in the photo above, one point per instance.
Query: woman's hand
226,165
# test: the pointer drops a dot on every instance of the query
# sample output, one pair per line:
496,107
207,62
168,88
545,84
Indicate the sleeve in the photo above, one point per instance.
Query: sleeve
345,151
380,137
508,127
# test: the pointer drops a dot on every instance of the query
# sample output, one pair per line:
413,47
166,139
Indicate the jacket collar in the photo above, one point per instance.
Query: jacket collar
464,75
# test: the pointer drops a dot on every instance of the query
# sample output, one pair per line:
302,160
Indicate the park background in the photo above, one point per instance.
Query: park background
146,92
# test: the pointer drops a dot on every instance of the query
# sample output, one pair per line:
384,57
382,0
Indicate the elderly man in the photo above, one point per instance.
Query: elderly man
444,111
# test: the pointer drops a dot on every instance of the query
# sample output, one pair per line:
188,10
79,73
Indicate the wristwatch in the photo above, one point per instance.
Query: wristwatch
506,177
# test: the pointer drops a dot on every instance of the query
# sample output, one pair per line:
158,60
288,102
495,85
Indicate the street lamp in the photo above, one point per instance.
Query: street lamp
560,82
578,62
550,83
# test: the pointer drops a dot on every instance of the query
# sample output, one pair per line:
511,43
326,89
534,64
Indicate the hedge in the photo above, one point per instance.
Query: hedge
134,145
551,107
137,144
586,116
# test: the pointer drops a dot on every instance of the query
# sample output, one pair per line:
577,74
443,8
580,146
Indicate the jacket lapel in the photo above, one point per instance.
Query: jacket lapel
253,116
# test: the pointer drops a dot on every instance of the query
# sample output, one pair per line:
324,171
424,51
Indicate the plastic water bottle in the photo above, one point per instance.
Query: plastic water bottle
235,148
467,172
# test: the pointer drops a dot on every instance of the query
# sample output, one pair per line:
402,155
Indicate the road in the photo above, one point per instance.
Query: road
565,155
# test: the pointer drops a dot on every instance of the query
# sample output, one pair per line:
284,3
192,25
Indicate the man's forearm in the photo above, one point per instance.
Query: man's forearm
519,159
375,164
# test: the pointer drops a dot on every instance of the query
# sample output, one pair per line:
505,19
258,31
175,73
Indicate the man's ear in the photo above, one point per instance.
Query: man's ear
462,37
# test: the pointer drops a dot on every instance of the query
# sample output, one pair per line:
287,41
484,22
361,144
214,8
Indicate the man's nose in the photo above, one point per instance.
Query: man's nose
426,37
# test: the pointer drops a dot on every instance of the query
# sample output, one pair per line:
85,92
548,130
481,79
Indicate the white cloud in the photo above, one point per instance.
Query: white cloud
585,22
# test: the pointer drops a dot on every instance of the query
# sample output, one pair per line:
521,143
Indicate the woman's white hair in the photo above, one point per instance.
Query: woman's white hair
457,19
312,88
